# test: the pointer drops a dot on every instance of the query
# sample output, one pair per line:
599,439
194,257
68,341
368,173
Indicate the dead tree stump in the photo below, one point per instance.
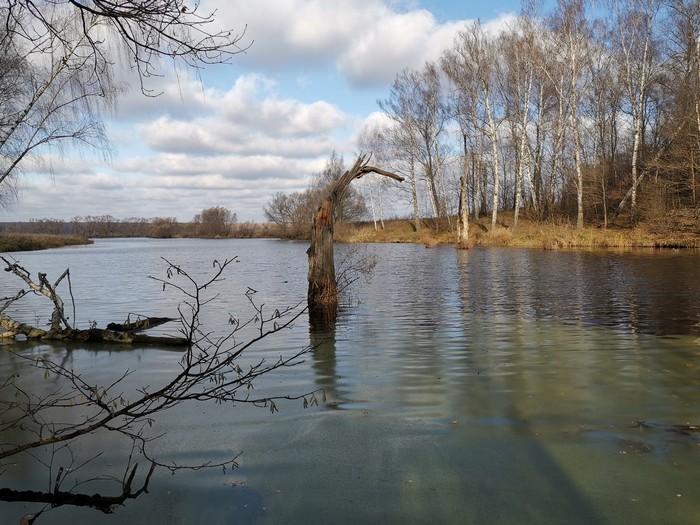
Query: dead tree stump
323,288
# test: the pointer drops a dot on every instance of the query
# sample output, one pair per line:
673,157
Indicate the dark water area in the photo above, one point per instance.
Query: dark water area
481,386
646,291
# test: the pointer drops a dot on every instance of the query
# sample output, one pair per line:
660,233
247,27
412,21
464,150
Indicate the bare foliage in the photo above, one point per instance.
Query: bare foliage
419,114
291,212
355,263
148,30
215,222
57,65
55,421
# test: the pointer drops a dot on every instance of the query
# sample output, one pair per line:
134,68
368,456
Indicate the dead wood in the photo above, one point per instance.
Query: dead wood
61,330
139,324
323,288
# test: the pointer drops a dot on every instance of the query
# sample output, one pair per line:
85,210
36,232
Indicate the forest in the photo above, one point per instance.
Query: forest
584,114
588,113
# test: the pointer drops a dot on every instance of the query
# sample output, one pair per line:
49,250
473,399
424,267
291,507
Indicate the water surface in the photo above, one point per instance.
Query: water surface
482,386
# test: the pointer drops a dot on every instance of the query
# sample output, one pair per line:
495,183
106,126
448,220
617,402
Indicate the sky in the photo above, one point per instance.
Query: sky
233,135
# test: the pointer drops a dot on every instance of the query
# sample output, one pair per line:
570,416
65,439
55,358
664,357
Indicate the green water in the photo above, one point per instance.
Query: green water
494,386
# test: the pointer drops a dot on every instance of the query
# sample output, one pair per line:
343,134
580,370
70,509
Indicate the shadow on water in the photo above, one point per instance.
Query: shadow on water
558,489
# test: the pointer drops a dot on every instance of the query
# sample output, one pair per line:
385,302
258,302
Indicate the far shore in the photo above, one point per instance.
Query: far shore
21,242
528,234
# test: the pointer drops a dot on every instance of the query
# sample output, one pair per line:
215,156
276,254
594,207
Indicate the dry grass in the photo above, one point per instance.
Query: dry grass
549,235
20,242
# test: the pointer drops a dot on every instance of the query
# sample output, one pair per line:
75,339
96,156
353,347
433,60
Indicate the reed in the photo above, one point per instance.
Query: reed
21,242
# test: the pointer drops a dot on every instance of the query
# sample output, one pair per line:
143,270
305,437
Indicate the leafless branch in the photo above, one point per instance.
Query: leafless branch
209,371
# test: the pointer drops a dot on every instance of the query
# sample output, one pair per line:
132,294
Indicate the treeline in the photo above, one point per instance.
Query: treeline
590,115
216,222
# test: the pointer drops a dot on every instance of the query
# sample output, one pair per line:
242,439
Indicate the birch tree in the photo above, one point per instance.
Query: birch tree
402,137
416,105
517,47
570,27
637,57
470,66
604,99
374,142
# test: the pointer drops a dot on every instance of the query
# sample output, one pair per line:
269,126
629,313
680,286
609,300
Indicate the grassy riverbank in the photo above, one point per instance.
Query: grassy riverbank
681,230
674,232
18,242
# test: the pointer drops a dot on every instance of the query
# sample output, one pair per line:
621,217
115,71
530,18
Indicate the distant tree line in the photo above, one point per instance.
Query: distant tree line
216,222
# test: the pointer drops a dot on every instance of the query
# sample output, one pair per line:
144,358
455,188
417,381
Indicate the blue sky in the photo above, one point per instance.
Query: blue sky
233,135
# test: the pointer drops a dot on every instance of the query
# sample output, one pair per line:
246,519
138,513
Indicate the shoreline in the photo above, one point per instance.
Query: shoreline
548,235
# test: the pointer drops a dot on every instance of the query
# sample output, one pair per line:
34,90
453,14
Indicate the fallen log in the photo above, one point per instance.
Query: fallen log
684,429
96,335
59,327
139,324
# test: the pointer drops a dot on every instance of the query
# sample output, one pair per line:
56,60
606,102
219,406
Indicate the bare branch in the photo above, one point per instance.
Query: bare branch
209,371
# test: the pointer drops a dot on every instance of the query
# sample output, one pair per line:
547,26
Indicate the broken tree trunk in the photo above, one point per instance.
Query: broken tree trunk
323,287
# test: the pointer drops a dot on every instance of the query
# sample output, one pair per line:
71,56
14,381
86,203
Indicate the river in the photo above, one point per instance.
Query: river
489,386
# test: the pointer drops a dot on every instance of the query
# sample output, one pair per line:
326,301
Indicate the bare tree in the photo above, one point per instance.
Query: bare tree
352,206
163,227
417,107
518,47
375,142
55,423
53,92
148,30
215,222
463,219
290,213
57,62
603,103
637,54
470,65
571,27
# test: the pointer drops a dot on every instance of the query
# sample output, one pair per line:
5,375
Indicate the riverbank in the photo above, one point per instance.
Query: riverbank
674,232
19,242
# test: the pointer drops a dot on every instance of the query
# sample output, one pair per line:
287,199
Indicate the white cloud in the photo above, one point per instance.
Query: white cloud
248,119
368,40
242,132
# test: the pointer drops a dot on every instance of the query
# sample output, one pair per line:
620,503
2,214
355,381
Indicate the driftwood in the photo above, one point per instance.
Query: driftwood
323,287
139,324
61,330
685,429
96,335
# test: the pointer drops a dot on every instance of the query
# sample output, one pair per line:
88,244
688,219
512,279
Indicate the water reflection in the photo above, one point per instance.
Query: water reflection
322,340
646,292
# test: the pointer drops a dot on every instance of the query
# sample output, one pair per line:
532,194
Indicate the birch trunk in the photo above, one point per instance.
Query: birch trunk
494,160
463,223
